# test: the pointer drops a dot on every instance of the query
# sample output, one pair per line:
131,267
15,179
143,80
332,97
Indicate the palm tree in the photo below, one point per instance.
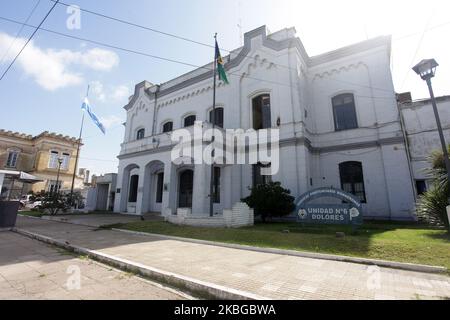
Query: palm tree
432,204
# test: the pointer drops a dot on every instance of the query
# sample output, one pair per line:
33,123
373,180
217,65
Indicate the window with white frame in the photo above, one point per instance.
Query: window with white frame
53,186
65,161
53,160
13,156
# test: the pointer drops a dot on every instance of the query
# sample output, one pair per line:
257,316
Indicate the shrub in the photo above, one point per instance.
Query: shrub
270,200
431,206
54,203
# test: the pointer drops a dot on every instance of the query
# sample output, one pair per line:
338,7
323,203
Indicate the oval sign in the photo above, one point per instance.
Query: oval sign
350,212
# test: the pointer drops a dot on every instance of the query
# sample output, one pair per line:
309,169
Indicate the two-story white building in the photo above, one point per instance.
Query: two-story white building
337,115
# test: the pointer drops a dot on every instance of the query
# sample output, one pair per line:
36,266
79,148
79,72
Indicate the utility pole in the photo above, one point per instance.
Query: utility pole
211,185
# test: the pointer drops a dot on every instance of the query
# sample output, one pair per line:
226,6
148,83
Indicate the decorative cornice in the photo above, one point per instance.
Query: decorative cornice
135,96
44,134
295,141
197,76
190,94
358,145
330,72
351,49
258,61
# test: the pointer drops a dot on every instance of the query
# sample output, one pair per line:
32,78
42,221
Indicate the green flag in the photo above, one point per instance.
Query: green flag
220,66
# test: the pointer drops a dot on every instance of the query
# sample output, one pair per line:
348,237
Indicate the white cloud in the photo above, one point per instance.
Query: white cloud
50,67
111,121
98,90
112,94
121,92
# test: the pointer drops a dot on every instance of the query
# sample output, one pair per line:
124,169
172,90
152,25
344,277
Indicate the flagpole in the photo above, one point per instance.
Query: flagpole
78,151
211,185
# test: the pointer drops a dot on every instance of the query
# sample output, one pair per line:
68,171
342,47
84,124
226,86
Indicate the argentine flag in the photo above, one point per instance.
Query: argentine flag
86,107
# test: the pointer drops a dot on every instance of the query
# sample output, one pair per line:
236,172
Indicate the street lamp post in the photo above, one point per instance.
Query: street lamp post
60,161
426,69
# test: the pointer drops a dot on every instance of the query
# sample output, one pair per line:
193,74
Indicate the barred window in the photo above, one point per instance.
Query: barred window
140,134
352,179
189,121
218,119
167,127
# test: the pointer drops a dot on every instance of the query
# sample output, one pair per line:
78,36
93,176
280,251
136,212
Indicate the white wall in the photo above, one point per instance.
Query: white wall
296,84
422,132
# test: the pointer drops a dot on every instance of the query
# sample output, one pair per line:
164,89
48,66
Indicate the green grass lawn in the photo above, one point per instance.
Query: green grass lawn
62,214
395,242
31,213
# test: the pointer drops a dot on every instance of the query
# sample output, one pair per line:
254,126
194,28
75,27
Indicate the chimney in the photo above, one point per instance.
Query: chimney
403,98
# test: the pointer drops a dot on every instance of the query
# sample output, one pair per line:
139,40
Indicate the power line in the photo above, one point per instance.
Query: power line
29,39
198,42
115,47
20,31
417,49
99,160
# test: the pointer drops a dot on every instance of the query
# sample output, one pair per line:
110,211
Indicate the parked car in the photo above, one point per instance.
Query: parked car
34,205
26,202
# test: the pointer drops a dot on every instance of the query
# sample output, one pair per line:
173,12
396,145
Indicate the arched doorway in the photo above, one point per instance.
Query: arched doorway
129,191
185,189
153,187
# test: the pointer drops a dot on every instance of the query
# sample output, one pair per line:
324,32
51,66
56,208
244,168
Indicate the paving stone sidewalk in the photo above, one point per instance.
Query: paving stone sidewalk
267,275
30,269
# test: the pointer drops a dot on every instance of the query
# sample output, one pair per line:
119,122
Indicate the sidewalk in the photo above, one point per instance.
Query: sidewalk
265,275
30,269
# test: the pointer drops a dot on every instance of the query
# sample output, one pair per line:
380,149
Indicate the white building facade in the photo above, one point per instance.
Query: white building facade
337,114
422,135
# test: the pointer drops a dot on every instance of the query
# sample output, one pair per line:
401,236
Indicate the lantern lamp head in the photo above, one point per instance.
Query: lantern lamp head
426,68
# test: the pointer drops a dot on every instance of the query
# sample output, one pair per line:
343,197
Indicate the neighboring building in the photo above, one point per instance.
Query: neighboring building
85,175
101,195
423,137
39,156
337,114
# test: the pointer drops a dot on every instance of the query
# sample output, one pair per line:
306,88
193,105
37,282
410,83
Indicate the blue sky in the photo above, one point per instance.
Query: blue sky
45,88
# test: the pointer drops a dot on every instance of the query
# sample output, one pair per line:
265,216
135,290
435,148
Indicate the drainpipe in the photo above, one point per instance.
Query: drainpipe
155,110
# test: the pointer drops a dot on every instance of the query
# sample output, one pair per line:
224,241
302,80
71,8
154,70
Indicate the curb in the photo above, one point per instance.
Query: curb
197,287
303,254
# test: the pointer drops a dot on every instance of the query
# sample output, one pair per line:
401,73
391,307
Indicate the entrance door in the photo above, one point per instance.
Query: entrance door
158,190
185,189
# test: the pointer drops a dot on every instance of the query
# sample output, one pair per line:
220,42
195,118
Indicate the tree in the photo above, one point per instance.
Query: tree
431,207
270,200
54,203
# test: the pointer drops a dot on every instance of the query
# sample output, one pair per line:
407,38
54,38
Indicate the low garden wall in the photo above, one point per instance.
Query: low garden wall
240,216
